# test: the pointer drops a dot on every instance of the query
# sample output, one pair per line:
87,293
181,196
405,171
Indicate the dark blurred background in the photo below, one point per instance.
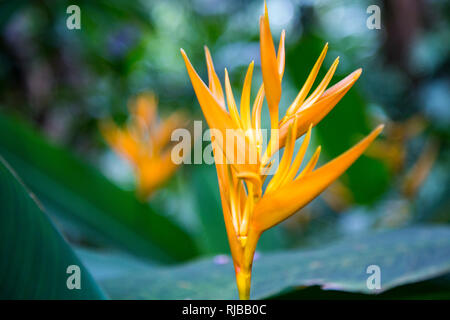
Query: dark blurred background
64,82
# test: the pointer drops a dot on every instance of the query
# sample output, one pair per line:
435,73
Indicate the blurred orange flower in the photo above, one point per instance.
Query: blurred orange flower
248,209
145,143
393,150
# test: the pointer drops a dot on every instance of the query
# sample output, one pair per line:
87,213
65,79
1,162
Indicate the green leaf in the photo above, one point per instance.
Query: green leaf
33,255
80,193
434,289
212,235
111,265
404,256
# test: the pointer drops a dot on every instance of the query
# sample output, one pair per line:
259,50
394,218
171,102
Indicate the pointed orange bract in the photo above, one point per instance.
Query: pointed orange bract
248,209
145,143
269,66
276,207
214,82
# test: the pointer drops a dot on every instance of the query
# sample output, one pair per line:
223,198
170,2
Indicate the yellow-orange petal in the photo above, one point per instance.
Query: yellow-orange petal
161,136
233,199
269,66
298,158
285,163
231,102
344,83
252,177
279,205
314,114
220,120
144,107
121,141
321,87
216,117
256,117
307,85
281,55
221,169
311,164
153,172
245,98
420,170
213,79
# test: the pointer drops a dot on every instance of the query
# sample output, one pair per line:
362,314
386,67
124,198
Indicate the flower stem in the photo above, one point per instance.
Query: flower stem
244,269
243,281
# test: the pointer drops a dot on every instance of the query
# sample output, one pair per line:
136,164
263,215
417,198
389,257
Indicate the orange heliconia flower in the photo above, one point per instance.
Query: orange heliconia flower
145,143
248,209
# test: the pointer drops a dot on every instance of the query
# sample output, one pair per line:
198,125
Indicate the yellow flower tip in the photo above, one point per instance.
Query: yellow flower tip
266,11
185,57
377,130
357,73
207,54
270,71
214,83
334,66
143,108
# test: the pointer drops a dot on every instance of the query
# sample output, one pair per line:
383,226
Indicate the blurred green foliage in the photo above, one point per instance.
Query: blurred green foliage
33,250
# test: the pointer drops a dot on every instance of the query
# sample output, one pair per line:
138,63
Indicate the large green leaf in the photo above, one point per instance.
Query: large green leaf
212,237
404,256
33,255
111,264
79,192
432,289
